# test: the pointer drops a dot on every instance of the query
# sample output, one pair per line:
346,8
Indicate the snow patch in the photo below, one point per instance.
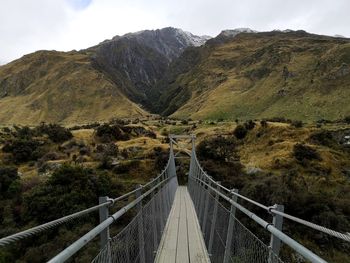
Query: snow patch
236,31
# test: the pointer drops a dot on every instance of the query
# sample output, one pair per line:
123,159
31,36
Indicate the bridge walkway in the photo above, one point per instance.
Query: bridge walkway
182,240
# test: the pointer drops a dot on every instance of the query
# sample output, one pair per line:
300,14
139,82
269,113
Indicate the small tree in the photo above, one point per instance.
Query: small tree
240,132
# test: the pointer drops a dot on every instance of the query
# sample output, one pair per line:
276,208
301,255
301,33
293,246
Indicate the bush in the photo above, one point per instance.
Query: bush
303,152
8,176
25,133
125,166
68,190
323,137
161,158
297,124
55,132
23,150
105,154
249,125
108,133
263,123
218,148
184,122
240,132
279,119
347,119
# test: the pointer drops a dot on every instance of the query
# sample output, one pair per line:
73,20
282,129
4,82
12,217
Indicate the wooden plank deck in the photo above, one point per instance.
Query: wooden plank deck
182,240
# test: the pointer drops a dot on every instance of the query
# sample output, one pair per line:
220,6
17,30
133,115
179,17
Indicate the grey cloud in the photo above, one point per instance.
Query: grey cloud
27,25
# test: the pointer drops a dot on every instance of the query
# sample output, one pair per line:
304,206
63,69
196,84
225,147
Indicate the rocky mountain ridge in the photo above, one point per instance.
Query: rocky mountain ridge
241,73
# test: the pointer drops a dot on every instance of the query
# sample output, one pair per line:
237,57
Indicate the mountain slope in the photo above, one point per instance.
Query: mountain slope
136,61
59,87
108,80
292,74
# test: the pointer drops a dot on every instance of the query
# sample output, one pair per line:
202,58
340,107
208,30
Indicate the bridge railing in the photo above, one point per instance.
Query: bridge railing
152,200
226,238
139,240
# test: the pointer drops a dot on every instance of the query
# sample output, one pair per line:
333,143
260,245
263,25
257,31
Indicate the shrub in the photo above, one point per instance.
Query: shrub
55,132
23,150
85,150
105,154
240,132
8,176
108,133
249,125
161,158
25,133
297,124
347,119
218,148
279,119
323,137
126,166
263,123
68,190
303,152
323,121
184,122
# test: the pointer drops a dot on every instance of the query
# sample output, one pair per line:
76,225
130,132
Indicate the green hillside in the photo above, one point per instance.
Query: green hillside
295,75
59,87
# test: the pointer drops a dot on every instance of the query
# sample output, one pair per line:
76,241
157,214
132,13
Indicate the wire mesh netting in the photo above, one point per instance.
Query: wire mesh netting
139,240
214,219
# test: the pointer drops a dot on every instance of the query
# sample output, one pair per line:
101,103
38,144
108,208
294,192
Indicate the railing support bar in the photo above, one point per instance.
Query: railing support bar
230,228
206,207
213,222
104,214
140,226
275,242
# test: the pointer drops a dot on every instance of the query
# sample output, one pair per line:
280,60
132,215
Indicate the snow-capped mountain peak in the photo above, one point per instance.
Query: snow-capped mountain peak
236,31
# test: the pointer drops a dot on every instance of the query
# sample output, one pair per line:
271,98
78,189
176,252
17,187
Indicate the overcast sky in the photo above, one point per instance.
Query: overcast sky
30,25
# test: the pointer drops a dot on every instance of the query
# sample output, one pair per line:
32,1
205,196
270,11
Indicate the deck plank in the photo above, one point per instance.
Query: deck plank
182,252
195,237
182,241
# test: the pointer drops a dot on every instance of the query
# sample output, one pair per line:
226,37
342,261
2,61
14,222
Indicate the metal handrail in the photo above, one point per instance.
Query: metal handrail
35,230
271,210
268,226
81,242
43,227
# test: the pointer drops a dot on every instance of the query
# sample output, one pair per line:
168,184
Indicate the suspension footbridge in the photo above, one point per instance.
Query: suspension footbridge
193,223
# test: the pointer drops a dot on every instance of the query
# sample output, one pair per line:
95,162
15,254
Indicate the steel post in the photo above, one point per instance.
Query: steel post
275,242
213,221
230,228
140,226
104,214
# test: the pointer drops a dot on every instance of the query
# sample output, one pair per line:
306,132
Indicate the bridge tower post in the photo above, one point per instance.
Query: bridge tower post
275,242
230,227
140,226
